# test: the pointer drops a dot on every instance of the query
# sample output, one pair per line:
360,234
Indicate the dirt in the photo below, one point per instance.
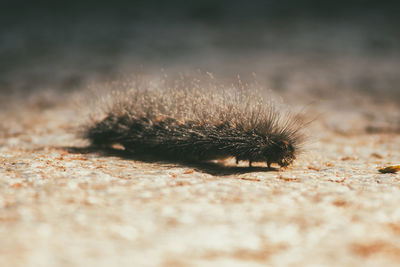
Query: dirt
63,204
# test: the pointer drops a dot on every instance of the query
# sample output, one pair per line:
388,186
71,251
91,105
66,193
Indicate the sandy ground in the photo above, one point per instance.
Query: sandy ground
64,205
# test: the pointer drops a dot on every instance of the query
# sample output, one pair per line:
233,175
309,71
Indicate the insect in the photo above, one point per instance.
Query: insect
198,124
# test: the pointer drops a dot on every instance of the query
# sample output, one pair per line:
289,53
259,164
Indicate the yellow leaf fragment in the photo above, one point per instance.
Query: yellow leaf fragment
390,169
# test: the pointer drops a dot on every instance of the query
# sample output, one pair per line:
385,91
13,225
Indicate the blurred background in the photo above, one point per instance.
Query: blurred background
310,48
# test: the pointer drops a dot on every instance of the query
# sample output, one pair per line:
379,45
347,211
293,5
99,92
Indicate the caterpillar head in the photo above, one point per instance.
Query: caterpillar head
281,152
287,153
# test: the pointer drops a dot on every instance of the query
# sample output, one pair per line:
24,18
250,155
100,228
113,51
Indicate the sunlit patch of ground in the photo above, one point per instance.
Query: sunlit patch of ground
63,204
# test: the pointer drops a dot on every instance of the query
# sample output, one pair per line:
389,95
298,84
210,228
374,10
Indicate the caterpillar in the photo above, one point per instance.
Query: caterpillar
198,123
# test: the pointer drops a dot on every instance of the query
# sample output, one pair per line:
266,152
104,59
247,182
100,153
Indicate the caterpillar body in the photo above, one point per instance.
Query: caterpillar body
198,124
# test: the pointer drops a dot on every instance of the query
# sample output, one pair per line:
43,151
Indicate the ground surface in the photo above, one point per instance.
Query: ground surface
61,205
64,205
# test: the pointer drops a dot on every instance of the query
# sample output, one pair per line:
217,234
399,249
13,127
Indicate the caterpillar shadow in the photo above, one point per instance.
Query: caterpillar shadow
203,166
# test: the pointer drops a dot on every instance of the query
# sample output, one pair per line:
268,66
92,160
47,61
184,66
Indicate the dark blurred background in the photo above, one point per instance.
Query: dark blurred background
307,47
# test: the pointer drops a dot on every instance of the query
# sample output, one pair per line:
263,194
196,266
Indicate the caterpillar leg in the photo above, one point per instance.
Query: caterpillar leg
237,161
269,164
249,163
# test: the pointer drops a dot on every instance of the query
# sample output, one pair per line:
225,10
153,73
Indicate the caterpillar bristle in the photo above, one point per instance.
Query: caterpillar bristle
198,123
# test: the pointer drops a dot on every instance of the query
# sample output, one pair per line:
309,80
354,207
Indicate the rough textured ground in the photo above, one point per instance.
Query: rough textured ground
64,205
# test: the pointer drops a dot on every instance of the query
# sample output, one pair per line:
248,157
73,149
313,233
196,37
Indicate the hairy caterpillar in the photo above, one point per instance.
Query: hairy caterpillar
194,123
